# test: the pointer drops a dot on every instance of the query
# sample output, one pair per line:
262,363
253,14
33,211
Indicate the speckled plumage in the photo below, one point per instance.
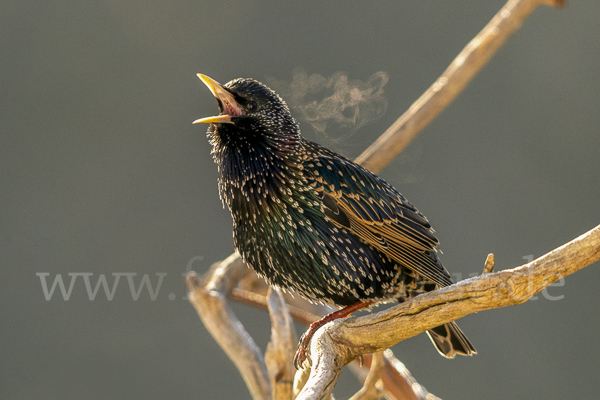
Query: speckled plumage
311,221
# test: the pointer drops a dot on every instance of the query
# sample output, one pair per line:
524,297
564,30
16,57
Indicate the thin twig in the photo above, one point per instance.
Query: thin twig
398,382
371,389
396,377
260,301
280,350
488,267
454,79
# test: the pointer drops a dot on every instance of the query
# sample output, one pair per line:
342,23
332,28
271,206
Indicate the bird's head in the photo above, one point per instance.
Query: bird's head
252,118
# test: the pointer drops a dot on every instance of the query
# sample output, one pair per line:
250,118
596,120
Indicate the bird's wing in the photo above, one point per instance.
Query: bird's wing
359,201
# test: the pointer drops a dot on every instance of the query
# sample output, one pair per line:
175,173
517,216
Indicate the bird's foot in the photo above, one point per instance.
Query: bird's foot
303,344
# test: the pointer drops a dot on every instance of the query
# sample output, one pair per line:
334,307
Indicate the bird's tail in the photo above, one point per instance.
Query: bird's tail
449,340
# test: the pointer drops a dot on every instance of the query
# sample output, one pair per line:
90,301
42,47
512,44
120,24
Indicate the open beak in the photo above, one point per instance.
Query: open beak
227,104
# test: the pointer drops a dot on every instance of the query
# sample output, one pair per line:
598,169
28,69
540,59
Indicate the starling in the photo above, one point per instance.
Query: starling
313,222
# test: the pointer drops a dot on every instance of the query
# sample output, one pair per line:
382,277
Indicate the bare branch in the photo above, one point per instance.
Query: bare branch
338,342
371,389
300,380
399,383
280,350
209,298
454,79
260,301
325,370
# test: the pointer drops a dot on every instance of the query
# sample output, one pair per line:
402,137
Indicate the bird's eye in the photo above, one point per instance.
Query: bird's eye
252,106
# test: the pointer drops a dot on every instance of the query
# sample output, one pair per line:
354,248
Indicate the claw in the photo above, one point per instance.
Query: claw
302,352
303,344
299,358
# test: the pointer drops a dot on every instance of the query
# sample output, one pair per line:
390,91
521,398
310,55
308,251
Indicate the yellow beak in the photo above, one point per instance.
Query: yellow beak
217,119
229,107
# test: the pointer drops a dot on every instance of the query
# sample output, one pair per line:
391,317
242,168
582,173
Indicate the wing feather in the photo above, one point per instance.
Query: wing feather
358,200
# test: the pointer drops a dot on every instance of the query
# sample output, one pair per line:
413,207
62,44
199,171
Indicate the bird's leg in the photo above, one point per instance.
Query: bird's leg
314,327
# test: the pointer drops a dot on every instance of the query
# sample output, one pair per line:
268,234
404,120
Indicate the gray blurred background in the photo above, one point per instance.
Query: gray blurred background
103,173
